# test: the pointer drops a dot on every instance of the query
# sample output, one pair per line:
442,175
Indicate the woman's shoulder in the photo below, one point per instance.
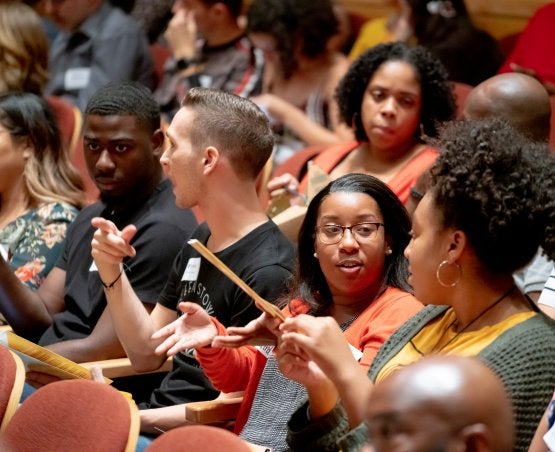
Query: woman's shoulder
329,157
57,212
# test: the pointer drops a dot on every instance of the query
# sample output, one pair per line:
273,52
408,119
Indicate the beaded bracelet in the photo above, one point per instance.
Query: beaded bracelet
124,267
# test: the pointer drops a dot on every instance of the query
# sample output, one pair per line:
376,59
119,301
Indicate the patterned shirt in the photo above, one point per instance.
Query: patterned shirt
33,241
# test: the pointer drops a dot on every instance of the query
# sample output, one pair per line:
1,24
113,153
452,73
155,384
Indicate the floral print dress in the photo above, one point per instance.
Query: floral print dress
32,242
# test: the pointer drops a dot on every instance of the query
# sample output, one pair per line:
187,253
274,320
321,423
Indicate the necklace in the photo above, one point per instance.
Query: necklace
435,349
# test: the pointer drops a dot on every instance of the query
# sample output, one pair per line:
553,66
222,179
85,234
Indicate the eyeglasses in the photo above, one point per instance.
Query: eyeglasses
330,234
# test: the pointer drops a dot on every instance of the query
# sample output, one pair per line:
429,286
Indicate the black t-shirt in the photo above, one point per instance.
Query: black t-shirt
264,259
162,228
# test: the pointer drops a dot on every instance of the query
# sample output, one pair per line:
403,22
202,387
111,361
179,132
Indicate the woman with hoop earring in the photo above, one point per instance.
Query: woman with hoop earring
490,205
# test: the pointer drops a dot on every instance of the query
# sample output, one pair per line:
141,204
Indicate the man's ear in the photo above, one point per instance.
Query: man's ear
477,438
210,159
158,141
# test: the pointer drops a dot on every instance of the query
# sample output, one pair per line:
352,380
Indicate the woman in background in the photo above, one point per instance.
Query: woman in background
301,72
392,96
40,192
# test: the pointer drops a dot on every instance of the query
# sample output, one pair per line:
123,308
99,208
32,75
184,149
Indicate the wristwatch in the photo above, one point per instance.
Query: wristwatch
184,63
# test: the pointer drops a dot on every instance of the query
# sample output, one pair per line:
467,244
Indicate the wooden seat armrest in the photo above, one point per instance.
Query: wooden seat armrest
121,367
213,411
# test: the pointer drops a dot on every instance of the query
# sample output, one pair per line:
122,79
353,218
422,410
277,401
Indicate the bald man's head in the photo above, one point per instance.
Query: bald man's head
518,98
441,403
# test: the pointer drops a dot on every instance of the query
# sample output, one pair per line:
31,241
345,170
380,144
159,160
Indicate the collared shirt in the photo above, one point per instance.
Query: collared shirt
235,67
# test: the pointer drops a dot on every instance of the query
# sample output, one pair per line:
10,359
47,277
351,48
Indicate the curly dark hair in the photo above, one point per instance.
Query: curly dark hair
309,283
306,23
499,188
438,101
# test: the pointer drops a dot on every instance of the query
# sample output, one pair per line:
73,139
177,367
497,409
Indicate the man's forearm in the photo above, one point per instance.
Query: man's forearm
81,350
159,420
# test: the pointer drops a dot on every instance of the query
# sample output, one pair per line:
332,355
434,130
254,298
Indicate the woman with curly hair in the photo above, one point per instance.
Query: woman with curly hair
391,97
301,71
350,267
490,206
40,192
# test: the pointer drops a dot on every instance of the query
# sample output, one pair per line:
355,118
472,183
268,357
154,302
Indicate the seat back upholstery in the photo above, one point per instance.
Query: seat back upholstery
12,378
70,122
73,415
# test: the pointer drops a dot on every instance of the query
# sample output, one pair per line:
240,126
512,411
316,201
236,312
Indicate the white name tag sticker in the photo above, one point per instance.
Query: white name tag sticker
549,438
93,267
192,270
4,251
266,350
77,78
547,296
356,352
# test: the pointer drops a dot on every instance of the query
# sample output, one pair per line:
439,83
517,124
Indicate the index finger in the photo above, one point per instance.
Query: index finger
104,225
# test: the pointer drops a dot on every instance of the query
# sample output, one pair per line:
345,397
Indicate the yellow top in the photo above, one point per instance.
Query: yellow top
373,32
439,336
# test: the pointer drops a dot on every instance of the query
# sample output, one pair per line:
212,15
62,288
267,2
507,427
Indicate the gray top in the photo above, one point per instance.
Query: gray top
108,46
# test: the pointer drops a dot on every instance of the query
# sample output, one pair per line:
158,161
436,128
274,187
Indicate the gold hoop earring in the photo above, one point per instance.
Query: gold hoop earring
443,267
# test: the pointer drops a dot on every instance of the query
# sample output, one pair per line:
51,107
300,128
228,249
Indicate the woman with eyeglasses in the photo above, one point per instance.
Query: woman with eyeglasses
490,205
351,269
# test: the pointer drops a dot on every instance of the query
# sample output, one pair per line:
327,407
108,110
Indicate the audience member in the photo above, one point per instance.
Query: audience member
218,143
535,47
445,28
223,57
379,30
301,71
359,280
152,17
518,99
40,192
97,43
24,61
123,143
391,96
479,221
441,403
